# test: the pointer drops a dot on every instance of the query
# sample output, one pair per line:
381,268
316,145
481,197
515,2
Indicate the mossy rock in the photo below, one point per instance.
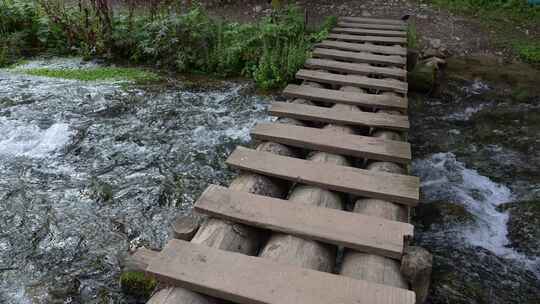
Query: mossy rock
441,213
520,79
423,78
137,284
524,226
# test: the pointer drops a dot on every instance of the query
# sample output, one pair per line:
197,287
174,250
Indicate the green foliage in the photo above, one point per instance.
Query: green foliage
270,51
517,9
412,36
101,73
529,51
137,284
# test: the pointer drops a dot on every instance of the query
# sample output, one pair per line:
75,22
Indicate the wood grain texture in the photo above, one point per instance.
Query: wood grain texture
355,68
349,98
250,280
353,80
363,47
359,57
368,38
359,31
394,27
372,20
363,233
401,189
332,142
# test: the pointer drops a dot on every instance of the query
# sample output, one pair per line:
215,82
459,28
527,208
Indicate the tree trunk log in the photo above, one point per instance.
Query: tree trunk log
371,267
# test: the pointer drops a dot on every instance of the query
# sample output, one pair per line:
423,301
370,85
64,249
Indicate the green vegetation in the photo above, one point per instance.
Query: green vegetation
503,17
101,73
412,36
528,51
270,51
137,284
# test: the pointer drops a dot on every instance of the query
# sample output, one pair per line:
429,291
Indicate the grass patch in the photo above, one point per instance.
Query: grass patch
94,74
503,18
528,51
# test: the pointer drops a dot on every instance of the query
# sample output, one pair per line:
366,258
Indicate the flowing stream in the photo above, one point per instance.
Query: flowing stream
90,170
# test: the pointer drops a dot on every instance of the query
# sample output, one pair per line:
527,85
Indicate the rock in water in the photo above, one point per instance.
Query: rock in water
423,78
524,226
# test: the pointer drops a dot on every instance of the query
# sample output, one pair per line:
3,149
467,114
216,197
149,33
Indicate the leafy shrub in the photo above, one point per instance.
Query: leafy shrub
270,51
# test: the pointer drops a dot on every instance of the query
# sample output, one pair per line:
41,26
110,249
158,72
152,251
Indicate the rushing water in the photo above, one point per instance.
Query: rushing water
89,169
471,161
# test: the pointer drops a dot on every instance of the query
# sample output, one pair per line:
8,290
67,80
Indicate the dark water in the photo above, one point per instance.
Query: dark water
475,149
90,170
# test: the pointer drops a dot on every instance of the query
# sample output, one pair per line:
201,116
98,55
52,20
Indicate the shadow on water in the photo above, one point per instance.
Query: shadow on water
92,169
476,147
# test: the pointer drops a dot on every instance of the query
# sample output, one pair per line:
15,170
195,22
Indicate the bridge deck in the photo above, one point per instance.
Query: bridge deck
369,55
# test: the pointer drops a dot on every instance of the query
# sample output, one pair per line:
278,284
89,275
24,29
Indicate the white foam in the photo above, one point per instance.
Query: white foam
445,178
20,139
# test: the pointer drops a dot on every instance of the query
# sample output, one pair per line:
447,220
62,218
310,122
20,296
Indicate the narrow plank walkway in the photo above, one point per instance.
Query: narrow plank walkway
340,117
359,57
363,47
368,38
355,68
353,80
359,31
350,98
341,228
367,58
249,280
332,142
372,20
402,189
372,26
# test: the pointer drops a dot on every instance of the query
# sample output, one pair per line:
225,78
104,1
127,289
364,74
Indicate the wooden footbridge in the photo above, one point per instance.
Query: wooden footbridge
331,173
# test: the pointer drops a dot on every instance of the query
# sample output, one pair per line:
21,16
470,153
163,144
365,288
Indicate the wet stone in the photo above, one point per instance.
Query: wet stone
524,226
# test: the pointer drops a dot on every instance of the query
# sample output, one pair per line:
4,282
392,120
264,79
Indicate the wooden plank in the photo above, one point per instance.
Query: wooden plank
359,232
340,117
358,31
396,188
350,98
372,20
252,280
372,26
368,38
353,80
332,142
354,68
359,57
363,47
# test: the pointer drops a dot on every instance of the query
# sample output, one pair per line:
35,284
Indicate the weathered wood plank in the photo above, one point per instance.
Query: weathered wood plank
372,26
250,280
358,31
332,142
353,80
401,189
372,20
363,47
354,68
359,57
340,117
350,98
360,232
368,38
